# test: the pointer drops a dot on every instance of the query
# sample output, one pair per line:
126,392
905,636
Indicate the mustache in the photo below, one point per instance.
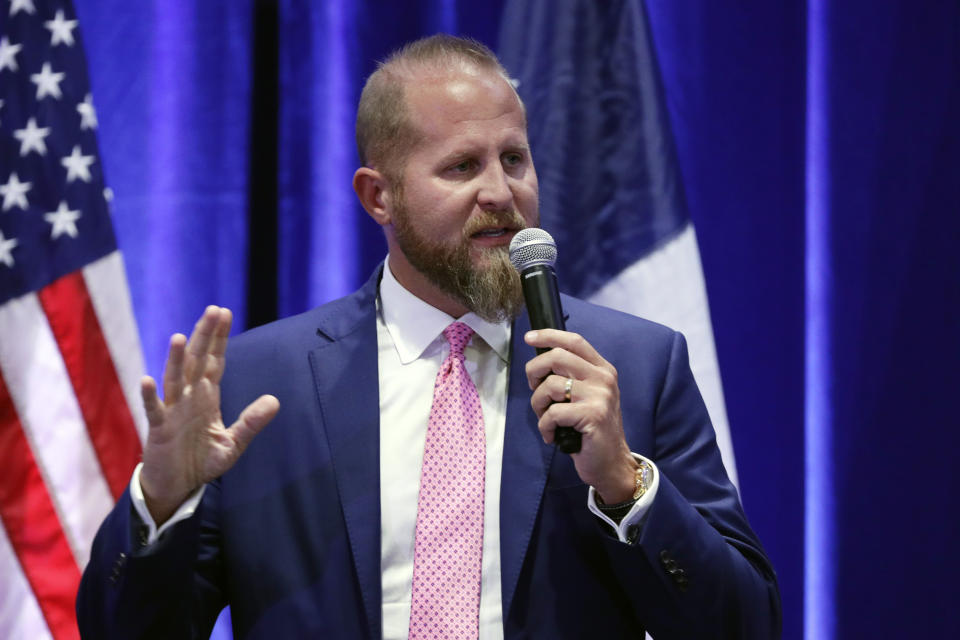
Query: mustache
510,219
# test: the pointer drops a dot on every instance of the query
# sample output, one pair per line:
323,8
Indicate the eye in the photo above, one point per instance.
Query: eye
512,159
464,166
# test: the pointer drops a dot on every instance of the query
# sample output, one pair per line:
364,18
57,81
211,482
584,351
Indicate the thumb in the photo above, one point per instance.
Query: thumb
254,418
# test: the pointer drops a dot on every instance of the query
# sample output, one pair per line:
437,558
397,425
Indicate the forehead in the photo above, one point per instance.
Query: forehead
451,107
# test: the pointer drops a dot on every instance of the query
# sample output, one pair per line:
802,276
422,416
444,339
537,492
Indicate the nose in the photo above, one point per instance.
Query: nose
494,191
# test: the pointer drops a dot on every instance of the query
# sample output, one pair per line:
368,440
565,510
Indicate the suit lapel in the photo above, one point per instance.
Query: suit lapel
347,385
526,461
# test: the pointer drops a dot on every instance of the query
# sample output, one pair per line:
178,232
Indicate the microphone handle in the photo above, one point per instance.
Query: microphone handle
542,296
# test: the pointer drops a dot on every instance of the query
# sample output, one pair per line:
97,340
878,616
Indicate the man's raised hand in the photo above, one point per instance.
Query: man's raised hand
187,443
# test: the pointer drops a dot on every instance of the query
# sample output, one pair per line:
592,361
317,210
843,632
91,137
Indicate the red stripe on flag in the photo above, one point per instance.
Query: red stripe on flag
33,526
74,323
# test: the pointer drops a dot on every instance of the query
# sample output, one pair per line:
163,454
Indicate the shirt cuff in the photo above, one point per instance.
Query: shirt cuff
184,511
636,513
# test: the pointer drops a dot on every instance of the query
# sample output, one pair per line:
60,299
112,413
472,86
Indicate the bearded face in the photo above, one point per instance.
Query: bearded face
480,278
460,193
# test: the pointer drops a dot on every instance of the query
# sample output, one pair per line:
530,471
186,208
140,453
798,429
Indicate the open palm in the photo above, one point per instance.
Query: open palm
187,443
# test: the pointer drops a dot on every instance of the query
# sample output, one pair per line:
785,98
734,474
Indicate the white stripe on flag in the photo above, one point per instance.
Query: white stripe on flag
47,407
106,283
667,286
20,615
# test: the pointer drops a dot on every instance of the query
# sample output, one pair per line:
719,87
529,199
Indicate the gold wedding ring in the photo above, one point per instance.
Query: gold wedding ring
567,390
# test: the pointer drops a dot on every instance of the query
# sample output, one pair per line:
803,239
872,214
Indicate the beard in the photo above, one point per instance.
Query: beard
489,285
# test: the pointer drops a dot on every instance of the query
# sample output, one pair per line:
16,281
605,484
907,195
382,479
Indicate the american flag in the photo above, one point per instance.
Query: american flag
71,423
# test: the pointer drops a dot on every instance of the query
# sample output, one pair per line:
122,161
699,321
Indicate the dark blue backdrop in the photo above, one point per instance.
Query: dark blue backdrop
819,145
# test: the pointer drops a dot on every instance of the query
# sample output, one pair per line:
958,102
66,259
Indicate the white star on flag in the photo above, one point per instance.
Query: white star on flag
32,137
88,116
47,81
14,193
8,54
60,30
25,5
6,246
64,221
78,165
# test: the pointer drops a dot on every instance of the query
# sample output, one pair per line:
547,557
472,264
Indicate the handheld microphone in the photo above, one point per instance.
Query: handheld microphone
533,253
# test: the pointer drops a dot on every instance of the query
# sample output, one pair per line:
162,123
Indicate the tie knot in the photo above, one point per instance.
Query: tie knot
458,335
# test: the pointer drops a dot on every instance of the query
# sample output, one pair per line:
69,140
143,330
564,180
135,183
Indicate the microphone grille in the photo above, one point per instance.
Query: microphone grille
531,247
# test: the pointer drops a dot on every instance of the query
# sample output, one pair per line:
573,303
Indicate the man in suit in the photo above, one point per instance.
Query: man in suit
379,505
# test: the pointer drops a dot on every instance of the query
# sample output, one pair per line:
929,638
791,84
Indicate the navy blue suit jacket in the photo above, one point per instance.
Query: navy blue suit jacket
290,537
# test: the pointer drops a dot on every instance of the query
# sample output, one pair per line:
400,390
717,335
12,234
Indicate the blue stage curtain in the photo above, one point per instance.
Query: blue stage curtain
734,82
171,84
819,144
882,319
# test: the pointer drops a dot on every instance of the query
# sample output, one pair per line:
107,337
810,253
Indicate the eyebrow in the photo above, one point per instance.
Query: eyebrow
467,151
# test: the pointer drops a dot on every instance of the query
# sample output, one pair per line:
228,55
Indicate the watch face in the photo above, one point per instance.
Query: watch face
644,479
646,475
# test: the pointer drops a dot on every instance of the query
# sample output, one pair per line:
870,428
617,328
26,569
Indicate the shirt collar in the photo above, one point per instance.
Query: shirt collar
413,324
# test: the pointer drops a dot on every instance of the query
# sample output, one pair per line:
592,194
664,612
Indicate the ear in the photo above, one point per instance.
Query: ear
374,194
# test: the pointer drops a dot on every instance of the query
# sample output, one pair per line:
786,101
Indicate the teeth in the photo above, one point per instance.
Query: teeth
493,233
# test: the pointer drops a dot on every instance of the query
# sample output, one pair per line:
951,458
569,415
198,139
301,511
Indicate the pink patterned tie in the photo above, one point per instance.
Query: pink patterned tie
449,540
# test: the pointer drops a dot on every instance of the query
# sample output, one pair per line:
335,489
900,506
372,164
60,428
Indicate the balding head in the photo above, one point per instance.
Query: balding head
384,131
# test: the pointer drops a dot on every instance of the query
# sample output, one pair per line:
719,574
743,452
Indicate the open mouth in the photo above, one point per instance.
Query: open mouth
494,232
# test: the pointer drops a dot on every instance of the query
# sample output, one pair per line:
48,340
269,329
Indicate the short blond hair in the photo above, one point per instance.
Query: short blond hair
383,129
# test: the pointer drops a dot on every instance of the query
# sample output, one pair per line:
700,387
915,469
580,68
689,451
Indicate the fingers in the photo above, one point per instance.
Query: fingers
252,420
201,355
571,388
566,340
560,415
209,338
218,346
151,403
556,362
199,343
567,364
591,408
173,371
552,390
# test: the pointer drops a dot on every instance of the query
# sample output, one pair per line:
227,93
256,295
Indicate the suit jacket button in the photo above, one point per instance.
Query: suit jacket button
117,567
